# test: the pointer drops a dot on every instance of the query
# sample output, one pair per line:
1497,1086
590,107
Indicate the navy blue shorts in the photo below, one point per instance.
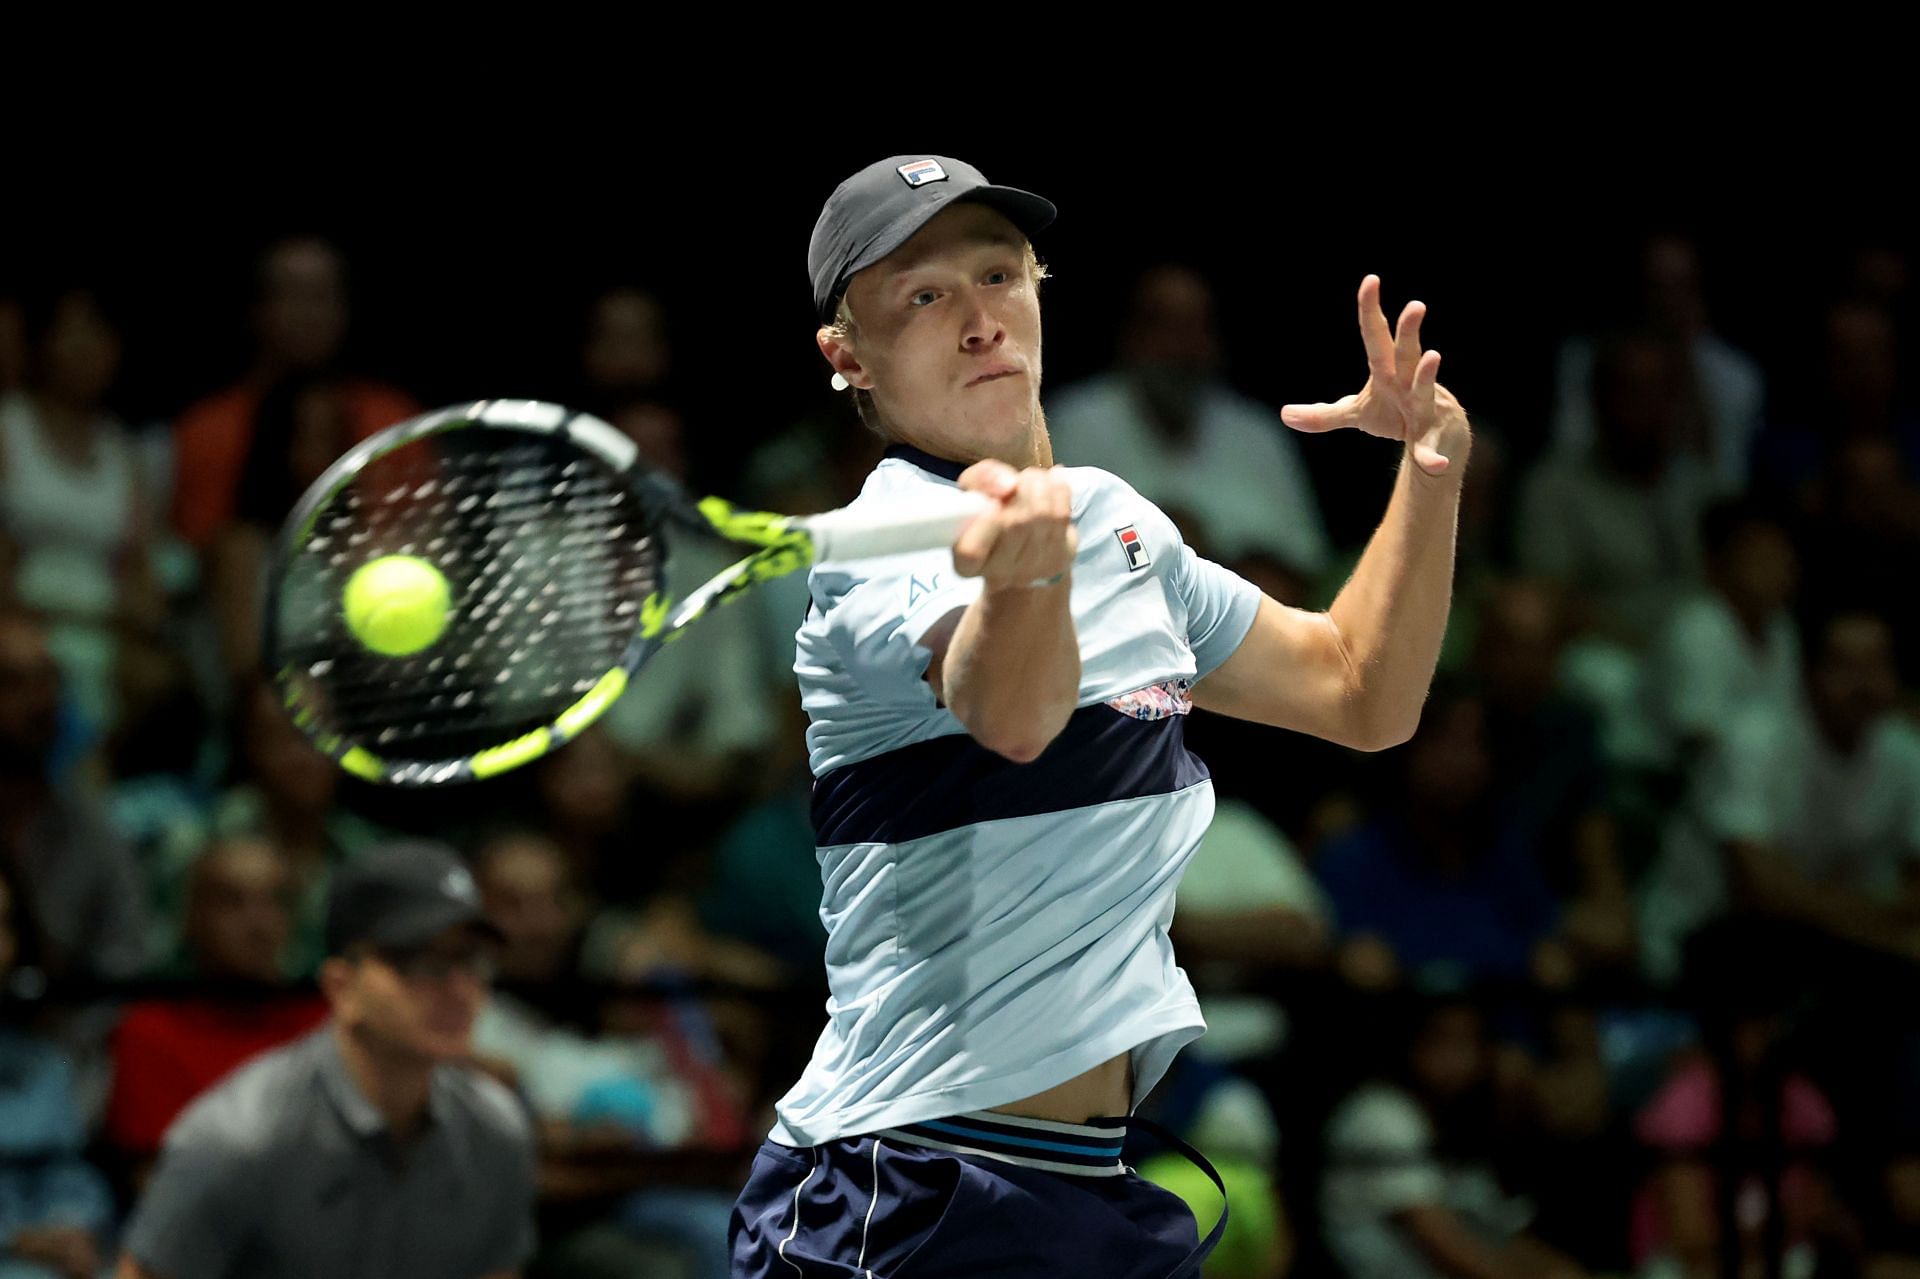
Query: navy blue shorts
975,1194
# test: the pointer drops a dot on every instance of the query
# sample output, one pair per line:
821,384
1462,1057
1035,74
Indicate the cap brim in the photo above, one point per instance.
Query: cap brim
1029,212
419,927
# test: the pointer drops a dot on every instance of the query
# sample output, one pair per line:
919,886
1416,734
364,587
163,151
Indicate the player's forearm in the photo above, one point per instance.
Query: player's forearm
1392,613
1012,671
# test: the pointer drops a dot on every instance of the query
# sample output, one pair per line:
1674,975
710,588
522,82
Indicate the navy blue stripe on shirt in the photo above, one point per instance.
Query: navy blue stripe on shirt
951,782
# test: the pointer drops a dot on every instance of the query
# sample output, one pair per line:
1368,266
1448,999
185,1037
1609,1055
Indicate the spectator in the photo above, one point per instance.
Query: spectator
300,326
698,727
1809,815
1566,1147
1739,1109
763,882
1166,422
1893,1229
1731,389
1858,400
1438,885
302,423
72,511
649,1090
1411,1191
1863,516
1621,520
163,758
1553,785
1732,645
683,1098
71,869
55,1209
1247,910
369,1145
626,356
288,796
580,800
167,1052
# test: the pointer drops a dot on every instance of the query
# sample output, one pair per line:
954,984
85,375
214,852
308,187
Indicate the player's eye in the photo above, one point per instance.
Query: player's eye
999,277
925,297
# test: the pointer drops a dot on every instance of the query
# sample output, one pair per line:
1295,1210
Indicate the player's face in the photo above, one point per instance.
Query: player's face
948,339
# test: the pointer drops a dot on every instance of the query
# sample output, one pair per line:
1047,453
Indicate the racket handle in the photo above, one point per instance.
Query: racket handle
926,522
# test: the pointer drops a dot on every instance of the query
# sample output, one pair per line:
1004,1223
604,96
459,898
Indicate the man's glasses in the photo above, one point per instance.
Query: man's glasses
429,964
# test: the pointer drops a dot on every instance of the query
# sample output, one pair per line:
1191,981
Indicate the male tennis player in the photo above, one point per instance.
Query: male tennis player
1003,804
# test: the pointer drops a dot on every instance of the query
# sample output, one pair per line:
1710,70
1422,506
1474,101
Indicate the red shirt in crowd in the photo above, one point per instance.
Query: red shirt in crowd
166,1054
211,440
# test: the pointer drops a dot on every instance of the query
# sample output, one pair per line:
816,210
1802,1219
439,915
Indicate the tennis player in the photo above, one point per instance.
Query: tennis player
1003,805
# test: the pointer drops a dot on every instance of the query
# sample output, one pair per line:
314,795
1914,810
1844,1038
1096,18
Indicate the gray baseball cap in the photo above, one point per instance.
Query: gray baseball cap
879,208
403,893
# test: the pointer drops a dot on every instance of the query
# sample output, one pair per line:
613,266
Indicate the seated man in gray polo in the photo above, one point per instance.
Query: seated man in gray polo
366,1148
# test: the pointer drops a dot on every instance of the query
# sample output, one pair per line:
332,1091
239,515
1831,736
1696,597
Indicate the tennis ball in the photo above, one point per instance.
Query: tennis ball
397,604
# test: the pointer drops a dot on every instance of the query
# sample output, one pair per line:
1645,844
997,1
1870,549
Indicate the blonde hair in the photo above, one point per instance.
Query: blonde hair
845,326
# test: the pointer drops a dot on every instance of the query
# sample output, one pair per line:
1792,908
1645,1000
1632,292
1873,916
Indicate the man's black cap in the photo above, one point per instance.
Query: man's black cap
401,895
879,208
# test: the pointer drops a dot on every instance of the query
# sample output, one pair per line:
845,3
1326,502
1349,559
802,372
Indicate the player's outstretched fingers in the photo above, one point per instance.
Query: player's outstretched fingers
1406,342
1314,418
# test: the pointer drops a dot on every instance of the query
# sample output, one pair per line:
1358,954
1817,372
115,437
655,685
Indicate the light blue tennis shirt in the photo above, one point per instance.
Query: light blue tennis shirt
995,929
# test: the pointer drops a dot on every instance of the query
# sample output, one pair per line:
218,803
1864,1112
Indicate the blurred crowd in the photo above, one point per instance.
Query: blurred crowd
1605,972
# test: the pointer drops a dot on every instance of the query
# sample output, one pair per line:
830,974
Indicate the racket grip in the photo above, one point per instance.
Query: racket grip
928,521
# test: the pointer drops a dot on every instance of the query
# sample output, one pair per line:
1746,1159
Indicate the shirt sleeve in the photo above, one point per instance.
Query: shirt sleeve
1738,784
189,1222
877,622
1220,607
1696,682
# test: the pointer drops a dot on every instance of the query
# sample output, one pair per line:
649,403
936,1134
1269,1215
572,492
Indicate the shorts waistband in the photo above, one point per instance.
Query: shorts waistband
1091,1149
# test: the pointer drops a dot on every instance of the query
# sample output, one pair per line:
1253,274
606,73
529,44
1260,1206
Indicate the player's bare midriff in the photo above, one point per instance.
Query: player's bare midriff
1100,1093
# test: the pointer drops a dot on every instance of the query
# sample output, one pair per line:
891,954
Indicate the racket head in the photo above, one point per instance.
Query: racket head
552,538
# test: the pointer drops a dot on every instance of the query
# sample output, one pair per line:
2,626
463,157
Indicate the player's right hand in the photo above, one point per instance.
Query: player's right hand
1027,537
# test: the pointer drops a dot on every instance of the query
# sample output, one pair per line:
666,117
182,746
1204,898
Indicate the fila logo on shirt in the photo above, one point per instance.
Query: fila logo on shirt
921,172
1137,557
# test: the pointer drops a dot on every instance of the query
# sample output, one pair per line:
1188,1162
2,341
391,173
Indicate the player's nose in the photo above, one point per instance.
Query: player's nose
981,328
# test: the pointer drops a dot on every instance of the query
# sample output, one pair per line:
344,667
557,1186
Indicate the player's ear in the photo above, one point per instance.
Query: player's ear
838,348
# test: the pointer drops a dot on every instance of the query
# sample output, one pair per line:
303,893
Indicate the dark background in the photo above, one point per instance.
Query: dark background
476,242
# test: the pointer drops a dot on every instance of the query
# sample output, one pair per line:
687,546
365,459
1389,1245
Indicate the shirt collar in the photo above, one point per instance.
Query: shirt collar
360,1115
926,461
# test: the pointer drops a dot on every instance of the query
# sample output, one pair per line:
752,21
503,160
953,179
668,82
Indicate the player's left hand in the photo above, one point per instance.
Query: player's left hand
1402,399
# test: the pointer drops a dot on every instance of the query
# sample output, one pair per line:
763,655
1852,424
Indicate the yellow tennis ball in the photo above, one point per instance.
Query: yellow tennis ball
397,604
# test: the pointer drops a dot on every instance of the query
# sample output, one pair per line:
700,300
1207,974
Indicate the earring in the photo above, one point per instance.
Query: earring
840,383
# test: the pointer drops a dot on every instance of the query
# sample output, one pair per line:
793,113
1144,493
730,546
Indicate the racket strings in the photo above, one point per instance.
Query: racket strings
547,555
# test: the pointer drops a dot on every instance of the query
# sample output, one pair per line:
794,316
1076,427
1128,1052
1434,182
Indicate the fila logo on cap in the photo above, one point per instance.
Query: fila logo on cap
1137,557
921,172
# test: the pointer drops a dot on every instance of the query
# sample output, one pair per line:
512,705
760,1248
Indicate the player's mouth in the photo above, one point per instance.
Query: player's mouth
994,372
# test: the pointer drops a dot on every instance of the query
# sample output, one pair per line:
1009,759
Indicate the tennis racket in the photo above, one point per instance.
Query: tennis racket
553,537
